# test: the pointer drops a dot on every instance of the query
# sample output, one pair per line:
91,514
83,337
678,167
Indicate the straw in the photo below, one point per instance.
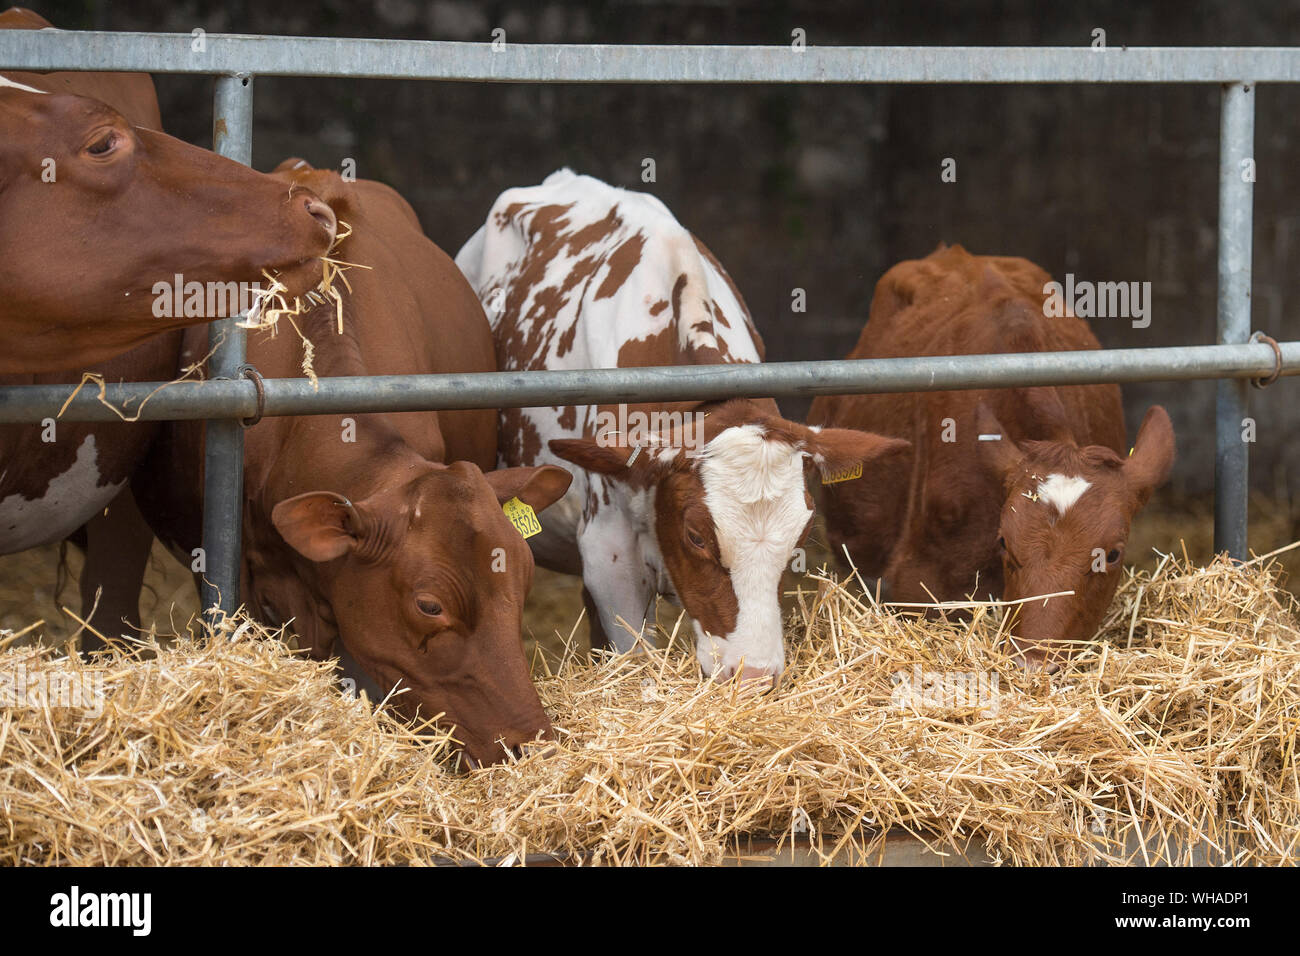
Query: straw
273,303
1169,740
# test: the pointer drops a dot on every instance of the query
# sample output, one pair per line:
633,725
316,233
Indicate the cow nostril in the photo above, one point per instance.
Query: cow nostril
323,214
759,679
1036,662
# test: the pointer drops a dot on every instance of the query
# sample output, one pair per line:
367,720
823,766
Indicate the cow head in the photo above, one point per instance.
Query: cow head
725,521
1064,527
98,212
426,579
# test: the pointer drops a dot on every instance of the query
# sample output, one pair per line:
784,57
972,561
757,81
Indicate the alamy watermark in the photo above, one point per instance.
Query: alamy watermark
944,690
657,429
79,689
204,300
1099,300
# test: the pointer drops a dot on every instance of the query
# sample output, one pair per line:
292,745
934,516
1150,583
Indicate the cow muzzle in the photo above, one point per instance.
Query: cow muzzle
1036,660
754,680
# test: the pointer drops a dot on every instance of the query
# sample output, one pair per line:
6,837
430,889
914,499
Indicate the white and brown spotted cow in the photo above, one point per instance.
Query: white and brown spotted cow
702,502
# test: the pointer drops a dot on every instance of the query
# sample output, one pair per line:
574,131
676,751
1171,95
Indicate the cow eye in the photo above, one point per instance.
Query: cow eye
428,605
104,144
695,538
1113,556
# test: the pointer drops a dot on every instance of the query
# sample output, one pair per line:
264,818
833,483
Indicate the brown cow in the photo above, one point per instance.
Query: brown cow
50,487
385,530
99,207
1043,509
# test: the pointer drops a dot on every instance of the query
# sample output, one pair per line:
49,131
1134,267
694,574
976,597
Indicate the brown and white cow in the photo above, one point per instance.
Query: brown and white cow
384,531
700,502
97,206
1007,492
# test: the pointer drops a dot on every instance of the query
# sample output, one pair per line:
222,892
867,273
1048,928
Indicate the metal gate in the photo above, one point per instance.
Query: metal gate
228,398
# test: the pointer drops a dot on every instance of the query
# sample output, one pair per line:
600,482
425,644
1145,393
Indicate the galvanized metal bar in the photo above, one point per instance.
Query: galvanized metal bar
223,453
410,393
1232,401
506,61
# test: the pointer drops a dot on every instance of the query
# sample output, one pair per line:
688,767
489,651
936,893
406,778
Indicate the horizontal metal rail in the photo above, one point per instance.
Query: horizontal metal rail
602,63
413,393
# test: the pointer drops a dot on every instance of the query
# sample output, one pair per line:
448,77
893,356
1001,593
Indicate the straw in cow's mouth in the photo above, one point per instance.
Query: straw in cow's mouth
273,304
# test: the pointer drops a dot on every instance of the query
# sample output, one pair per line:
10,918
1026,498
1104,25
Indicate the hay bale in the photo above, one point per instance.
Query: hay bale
1180,726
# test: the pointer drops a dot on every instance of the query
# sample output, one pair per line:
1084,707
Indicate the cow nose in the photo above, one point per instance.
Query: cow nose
758,680
323,214
1036,662
523,742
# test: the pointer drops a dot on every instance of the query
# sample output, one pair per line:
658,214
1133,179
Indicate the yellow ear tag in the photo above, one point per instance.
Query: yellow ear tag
844,474
1130,452
523,517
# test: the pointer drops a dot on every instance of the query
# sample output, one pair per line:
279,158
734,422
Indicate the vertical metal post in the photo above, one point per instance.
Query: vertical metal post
1236,194
223,456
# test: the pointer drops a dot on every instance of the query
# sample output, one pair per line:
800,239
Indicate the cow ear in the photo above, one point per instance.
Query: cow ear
292,164
1047,416
537,487
995,447
613,458
841,449
319,525
1148,467
589,454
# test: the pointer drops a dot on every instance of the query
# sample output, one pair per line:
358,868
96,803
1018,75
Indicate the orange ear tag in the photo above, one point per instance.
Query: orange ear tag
844,474
523,517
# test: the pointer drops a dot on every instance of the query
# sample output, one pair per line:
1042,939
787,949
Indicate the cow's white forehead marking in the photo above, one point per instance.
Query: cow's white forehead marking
10,84
754,467
1062,491
754,490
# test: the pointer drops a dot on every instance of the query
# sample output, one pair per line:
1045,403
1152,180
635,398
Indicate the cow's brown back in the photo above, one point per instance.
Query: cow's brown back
936,515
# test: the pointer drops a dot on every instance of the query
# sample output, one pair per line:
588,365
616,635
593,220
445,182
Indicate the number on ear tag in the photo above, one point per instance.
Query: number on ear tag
523,517
844,474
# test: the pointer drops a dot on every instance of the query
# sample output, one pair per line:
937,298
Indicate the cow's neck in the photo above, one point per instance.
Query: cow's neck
337,350
372,447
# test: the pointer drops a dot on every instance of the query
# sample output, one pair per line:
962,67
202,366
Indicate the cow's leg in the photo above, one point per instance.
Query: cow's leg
118,542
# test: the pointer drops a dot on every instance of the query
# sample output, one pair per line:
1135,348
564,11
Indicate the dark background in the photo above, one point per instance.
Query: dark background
824,188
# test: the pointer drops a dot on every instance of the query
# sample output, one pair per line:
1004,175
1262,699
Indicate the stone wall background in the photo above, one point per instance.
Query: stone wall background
823,188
